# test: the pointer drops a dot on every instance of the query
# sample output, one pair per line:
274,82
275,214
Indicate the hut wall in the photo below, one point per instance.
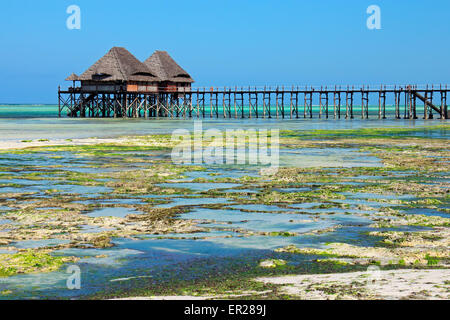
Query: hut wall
182,86
142,87
134,86
93,86
169,86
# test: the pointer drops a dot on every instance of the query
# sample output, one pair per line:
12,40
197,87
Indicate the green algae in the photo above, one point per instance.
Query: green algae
281,234
386,132
30,261
272,263
101,241
325,189
233,280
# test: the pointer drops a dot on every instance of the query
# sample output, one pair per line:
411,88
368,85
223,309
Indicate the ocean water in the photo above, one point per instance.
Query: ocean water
31,122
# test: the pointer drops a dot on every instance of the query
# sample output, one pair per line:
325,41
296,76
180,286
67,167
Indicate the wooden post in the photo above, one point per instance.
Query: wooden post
198,103
396,102
125,114
203,103
115,97
334,102
443,111
379,102
290,105
307,103
446,115
256,102
347,107
264,102
362,102
304,104
242,103
236,102
430,114
223,102
351,102
210,103
277,102
409,103
217,103
249,103
339,102
320,102
145,107
59,101
72,100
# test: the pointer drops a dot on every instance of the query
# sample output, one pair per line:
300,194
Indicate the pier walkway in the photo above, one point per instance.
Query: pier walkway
347,102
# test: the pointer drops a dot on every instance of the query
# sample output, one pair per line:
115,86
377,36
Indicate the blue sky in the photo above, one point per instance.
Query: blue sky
230,42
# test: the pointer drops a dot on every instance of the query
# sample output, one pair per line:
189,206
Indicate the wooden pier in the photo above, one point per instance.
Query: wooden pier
336,102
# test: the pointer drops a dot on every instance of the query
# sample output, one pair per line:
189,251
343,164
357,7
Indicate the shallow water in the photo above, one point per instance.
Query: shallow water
326,157
5,221
258,221
93,229
224,245
112,212
5,208
33,244
199,186
41,122
191,202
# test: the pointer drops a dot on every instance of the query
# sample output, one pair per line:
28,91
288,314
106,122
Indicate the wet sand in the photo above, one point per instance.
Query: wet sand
8,145
376,284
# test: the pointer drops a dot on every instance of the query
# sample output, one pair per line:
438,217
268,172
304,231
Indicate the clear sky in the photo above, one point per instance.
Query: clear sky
229,42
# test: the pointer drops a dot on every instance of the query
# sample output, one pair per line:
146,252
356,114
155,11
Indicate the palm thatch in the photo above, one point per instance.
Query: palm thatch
72,77
119,65
165,68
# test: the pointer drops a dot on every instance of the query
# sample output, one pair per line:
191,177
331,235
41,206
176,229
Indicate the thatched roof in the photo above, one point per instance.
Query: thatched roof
72,77
161,64
118,65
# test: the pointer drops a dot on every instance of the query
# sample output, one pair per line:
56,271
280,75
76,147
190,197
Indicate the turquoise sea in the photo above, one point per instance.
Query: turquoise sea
31,122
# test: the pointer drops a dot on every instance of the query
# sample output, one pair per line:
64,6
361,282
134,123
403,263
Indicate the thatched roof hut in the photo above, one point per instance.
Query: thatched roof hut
72,77
166,69
118,65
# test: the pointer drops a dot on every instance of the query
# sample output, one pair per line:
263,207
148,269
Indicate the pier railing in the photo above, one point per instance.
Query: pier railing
398,101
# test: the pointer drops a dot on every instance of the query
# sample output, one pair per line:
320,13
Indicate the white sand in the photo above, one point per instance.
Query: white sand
165,298
5,145
213,297
376,284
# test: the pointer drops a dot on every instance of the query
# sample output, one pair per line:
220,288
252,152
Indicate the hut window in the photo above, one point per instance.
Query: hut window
143,74
100,76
